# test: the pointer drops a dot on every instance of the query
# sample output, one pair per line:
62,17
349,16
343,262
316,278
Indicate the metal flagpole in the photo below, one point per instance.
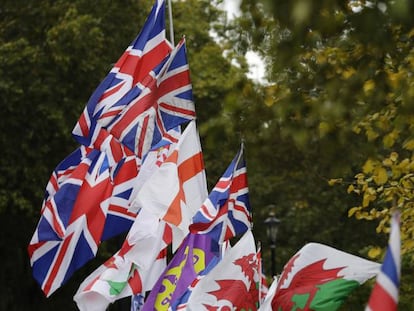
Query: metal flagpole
171,22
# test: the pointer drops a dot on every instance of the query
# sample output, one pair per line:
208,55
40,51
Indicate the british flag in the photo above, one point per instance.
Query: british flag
71,224
149,112
97,181
148,49
384,295
226,213
143,54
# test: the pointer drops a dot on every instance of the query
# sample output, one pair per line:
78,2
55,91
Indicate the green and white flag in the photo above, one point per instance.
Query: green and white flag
319,277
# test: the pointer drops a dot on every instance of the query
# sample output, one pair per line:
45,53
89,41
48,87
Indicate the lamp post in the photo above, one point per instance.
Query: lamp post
272,224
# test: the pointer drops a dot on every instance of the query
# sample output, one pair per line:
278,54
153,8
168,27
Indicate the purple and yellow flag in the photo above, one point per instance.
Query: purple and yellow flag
193,256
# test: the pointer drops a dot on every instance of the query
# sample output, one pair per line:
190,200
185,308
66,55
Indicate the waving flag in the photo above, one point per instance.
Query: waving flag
144,54
226,212
178,188
266,305
384,295
106,177
61,233
130,178
135,267
193,256
233,283
121,277
319,277
163,104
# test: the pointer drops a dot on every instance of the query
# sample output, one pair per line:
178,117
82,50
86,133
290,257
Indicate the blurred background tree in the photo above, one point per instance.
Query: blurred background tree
340,76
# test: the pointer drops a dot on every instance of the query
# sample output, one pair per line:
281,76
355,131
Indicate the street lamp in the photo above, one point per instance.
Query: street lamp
272,224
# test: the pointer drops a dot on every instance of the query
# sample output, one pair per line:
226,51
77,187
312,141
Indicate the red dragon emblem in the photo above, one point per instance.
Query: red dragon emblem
307,282
241,295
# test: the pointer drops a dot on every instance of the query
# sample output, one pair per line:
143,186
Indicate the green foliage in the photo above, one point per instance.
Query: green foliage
340,88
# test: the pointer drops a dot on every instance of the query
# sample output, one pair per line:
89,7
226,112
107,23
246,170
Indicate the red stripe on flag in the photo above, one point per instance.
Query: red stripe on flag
83,124
191,167
381,299
128,64
141,139
33,247
112,91
121,210
56,266
177,109
174,82
147,60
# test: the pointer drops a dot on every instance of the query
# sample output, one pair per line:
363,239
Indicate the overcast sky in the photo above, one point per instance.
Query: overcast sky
256,65
232,7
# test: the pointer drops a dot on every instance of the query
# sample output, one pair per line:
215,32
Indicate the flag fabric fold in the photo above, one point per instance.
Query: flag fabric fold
266,304
226,212
120,276
194,255
319,277
384,295
141,253
178,187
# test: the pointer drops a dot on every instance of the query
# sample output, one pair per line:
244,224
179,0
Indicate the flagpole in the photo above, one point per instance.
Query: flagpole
259,249
171,22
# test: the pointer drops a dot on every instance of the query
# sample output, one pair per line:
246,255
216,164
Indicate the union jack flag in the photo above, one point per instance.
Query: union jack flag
143,54
384,295
164,103
146,51
99,179
226,212
71,224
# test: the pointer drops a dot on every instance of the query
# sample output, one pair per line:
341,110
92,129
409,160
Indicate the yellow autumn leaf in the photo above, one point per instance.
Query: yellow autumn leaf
381,176
353,210
348,72
369,86
394,156
374,252
368,166
409,244
366,199
324,128
350,189
334,181
371,134
404,164
394,79
387,162
388,140
356,129
409,144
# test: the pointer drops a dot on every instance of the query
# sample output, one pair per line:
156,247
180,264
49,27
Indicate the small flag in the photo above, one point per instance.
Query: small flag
384,295
319,277
233,283
226,212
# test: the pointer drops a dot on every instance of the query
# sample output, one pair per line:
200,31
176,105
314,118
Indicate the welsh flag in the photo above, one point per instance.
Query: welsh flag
319,277
233,284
